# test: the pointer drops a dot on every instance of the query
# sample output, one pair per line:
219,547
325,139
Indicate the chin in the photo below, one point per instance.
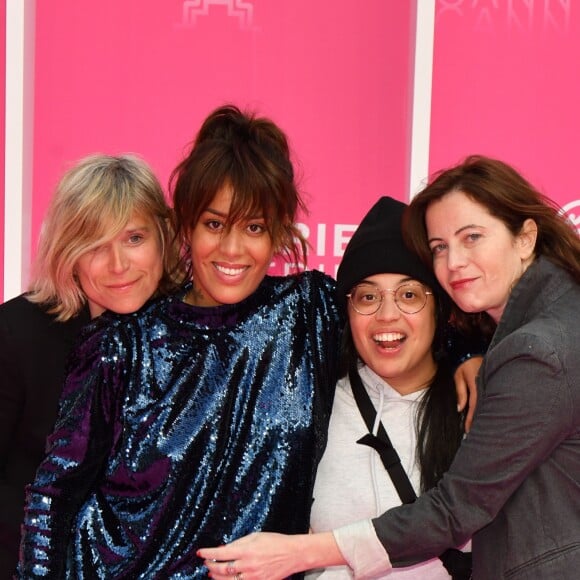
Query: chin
471,309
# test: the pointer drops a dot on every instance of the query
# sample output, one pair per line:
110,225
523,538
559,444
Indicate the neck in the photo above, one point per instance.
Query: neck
413,381
193,297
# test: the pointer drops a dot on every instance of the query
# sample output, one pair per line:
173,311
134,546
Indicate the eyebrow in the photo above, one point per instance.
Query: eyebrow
135,228
215,212
402,280
138,223
225,215
455,233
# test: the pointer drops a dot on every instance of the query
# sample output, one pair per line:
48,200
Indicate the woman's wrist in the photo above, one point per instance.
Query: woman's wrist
318,550
362,550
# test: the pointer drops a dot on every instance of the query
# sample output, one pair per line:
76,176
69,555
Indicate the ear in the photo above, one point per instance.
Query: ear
526,239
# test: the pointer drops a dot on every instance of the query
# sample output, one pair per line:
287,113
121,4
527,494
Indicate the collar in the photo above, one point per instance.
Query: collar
540,285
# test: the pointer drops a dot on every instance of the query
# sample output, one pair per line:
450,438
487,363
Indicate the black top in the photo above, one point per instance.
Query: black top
33,353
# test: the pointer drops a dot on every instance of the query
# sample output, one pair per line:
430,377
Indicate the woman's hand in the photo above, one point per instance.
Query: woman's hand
466,387
271,556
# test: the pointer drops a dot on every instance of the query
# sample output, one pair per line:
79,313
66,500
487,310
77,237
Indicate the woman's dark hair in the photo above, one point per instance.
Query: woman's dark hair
251,155
506,195
439,426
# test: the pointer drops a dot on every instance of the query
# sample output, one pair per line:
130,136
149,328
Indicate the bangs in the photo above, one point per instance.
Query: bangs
249,156
100,227
250,203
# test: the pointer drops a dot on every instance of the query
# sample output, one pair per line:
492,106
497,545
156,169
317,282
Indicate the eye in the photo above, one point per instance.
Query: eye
409,294
366,295
135,239
474,237
256,228
438,248
213,225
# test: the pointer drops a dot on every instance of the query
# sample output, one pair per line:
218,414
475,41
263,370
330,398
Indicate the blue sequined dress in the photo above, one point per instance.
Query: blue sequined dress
182,427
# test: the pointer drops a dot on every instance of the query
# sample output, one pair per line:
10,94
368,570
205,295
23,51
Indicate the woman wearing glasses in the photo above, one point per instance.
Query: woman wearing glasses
393,345
393,349
504,251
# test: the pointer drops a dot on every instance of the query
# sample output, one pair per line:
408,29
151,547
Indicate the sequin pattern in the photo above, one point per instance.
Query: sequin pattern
183,427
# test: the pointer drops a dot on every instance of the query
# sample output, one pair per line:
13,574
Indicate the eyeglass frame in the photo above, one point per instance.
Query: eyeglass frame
392,291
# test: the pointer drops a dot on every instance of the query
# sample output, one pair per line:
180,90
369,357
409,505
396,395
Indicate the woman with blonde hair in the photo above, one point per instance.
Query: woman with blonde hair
106,244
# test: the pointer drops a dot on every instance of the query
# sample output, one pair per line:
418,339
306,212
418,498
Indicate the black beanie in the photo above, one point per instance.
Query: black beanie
377,247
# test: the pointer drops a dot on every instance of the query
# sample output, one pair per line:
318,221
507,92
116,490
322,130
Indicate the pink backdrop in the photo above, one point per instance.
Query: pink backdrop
506,83
115,76
128,75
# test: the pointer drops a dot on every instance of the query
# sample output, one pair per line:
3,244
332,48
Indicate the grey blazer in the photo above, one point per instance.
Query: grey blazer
514,485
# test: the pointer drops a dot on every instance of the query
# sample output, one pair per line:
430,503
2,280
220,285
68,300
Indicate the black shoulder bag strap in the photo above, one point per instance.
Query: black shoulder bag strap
381,442
456,562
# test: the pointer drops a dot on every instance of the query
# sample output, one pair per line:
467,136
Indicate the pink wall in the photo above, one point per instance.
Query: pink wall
2,131
126,75
506,83
116,76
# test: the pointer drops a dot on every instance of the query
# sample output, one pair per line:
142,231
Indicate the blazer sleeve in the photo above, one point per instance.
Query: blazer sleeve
525,412
77,451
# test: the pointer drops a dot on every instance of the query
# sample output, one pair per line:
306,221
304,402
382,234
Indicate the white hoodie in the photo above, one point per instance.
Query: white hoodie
352,483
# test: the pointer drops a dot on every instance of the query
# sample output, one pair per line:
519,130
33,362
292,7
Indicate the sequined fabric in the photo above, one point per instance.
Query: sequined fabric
182,427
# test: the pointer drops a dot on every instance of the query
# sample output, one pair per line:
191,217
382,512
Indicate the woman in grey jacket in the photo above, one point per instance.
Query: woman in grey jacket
502,249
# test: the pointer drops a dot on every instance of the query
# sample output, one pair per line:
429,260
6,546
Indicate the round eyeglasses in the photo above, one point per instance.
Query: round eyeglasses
410,298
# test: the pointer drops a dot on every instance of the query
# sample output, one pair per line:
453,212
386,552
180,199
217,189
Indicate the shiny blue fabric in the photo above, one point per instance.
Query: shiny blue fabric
182,427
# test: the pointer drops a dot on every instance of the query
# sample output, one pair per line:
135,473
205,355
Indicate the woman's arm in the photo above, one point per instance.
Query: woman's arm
77,449
270,556
523,416
266,555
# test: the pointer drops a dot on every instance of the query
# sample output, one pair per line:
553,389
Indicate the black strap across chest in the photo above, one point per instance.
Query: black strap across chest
456,562
381,442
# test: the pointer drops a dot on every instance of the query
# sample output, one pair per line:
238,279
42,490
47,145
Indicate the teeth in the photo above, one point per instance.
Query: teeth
230,271
388,337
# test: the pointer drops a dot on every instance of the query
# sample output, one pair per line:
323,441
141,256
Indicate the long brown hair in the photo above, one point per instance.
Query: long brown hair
508,196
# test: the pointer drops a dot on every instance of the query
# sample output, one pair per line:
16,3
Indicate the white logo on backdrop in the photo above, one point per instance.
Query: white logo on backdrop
572,211
524,15
240,9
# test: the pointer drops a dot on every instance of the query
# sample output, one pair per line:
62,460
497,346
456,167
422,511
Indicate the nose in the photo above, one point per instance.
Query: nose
388,309
118,259
455,258
231,242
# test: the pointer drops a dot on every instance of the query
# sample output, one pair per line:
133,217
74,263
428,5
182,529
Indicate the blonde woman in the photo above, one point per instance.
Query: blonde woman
106,244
